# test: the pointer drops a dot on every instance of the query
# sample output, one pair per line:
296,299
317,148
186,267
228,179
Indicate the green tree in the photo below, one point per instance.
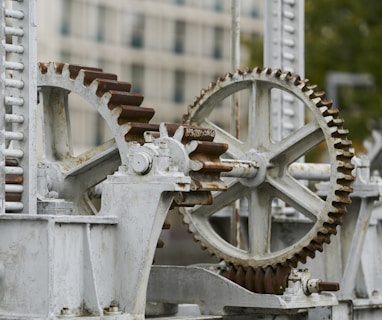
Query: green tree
343,36
346,36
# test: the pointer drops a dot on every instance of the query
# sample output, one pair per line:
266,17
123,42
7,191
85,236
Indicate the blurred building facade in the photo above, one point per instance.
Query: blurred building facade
168,49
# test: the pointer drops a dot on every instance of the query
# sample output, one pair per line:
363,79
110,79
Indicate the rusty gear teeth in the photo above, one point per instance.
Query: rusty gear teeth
260,280
133,121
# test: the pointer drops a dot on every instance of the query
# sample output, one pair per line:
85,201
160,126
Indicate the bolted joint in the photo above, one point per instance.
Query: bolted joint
301,282
141,163
113,309
65,312
317,286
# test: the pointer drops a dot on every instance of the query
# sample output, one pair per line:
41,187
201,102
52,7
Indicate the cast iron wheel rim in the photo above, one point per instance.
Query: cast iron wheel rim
275,181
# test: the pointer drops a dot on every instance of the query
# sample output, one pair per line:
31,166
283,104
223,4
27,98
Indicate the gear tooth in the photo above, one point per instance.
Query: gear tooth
281,275
326,103
335,217
345,181
247,70
43,67
310,251
303,85
259,280
267,71
228,76
250,279
330,228
257,70
301,257
345,190
269,281
342,144
323,237
345,157
293,262
287,76
230,273
312,87
310,94
295,79
320,94
333,122
59,66
328,111
317,245
240,276
276,73
340,133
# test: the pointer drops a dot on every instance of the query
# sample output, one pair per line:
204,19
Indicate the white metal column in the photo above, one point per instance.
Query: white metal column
2,108
284,49
19,100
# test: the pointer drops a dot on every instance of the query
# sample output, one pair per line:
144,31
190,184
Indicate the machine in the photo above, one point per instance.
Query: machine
79,233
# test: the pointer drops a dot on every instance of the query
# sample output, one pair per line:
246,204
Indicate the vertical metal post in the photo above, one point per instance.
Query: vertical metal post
235,62
284,49
20,101
235,105
2,108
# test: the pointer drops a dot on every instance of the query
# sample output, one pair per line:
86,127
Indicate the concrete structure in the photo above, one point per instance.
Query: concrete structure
168,49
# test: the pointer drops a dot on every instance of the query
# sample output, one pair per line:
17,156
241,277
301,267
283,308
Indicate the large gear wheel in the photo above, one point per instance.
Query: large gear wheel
273,181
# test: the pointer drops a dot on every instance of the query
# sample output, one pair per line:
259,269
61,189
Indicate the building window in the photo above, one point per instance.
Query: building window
180,2
137,30
137,78
180,36
218,6
255,12
101,23
66,17
218,43
179,86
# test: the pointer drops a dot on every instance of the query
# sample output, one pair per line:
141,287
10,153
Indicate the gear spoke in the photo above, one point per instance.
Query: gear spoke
57,144
298,144
259,223
298,196
259,116
236,147
94,165
221,200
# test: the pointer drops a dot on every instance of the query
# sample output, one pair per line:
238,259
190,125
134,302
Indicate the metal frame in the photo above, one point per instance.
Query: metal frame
99,266
19,60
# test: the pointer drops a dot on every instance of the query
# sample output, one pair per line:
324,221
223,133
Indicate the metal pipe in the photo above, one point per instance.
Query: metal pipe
310,171
235,62
235,106
240,169
300,171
